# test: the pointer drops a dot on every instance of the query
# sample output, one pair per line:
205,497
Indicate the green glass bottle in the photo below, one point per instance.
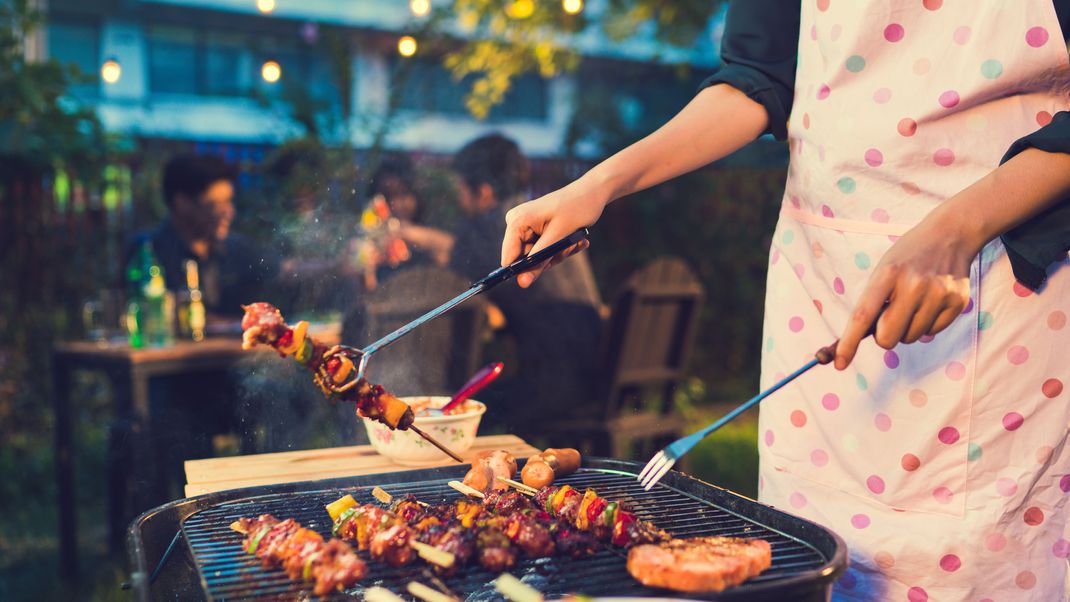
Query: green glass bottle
136,274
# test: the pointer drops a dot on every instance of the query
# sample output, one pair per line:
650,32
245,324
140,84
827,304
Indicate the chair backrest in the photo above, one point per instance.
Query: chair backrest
439,356
649,334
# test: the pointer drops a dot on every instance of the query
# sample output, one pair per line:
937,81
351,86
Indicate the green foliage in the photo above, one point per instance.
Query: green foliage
37,120
512,37
729,457
676,22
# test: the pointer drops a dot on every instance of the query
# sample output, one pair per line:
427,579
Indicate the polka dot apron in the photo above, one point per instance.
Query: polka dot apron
943,464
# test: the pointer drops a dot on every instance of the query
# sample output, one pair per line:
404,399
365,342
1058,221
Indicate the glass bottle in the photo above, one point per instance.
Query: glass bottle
136,272
191,312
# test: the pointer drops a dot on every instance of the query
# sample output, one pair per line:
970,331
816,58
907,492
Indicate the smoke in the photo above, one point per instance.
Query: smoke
280,408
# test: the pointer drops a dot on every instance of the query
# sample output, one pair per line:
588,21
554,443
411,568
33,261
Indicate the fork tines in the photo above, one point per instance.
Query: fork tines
655,469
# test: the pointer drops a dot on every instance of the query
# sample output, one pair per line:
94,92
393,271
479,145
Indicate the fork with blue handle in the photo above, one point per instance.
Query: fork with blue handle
664,460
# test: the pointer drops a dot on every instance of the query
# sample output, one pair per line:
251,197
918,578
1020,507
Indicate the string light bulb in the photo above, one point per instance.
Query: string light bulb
407,46
270,71
420,8
572,7
265,6
111,71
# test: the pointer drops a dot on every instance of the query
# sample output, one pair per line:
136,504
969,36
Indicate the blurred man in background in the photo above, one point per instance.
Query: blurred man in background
199,192
557,363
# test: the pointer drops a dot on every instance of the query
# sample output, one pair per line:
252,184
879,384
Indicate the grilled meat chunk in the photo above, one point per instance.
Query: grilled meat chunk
699,564
302,553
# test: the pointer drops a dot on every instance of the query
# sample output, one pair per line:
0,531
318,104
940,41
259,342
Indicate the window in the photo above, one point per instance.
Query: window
172,61
78,44
226,68
184,60
428,87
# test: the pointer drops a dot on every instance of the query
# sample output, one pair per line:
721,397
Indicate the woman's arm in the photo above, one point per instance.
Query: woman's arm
750,94
922,282
718,121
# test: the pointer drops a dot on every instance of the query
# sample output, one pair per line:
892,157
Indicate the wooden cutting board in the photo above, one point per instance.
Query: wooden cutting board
235,472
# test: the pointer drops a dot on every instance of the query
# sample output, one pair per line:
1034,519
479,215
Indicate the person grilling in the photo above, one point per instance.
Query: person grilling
929,171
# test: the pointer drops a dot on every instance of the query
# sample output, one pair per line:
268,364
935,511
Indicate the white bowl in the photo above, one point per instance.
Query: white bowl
456,431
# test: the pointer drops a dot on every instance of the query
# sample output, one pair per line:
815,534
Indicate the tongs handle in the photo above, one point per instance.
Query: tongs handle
526,263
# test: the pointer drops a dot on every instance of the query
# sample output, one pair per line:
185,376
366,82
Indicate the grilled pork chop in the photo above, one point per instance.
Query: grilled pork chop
699,564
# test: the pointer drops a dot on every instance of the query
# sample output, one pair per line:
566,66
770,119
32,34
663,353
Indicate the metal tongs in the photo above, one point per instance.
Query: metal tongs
498,276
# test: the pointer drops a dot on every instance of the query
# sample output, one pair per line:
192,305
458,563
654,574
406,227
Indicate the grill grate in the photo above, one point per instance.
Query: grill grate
228,573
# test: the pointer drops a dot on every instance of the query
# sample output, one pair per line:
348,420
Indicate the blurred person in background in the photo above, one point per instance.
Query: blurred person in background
199,193
556,325
390,238
393,233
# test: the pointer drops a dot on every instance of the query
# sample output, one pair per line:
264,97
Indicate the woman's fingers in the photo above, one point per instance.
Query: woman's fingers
944,302
917,305
867,310
923,318
549,236
959,293
944,319
519,229
905,298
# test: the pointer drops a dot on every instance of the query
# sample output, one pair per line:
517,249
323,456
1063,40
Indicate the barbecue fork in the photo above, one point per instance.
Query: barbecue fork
662,461
491,280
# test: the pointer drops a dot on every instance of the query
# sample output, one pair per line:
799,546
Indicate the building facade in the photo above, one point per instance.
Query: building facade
198,70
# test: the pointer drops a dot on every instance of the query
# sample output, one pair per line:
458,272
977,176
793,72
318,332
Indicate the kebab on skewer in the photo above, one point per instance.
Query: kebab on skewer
608,521
390,539
331,367
697,564
304,555
530,529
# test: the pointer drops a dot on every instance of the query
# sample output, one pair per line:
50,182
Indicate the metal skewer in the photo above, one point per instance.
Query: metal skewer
493,279
432,441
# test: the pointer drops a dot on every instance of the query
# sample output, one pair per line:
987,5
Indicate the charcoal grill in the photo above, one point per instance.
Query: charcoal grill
203,558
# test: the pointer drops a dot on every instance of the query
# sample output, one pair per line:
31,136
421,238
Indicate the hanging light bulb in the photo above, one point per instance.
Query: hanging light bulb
420,8
270,71
407,46
111,71
265,6
572,7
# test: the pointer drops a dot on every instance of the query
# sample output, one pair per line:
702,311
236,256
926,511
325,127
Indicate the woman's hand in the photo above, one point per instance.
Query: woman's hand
918,288
536,224
925,275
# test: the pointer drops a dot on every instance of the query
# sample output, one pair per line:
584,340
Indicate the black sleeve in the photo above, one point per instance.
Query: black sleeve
759,51
1044,239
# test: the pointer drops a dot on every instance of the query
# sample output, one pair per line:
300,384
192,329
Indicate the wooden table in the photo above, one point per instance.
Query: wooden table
219,474
131,457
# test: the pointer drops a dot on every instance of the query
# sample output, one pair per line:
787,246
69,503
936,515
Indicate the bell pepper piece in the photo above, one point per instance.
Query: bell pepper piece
340,505
255,543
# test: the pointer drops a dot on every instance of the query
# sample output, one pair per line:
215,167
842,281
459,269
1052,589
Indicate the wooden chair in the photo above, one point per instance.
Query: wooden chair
646,345
438,357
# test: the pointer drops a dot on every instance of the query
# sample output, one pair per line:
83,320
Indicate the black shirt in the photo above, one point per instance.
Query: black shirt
235,272
555,322
759,51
